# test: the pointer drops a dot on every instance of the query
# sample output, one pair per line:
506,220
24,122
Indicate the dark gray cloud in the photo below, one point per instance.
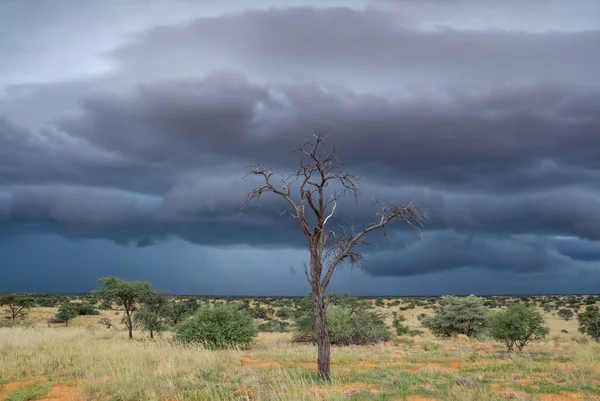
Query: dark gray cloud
226,115
493,131
446,250
366,46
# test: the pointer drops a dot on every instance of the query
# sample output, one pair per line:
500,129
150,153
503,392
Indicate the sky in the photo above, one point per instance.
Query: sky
126,128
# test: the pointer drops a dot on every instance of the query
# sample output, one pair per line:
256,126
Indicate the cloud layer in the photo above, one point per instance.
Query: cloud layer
493,131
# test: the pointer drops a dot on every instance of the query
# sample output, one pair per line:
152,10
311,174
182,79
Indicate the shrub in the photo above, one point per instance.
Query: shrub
259,313
457,315
409,342
589,323
517,327
106,305
428,345
274,326
359,326
284,313
221,326
415,333
565,314
580,340
86,309
402,329
349,321
47,302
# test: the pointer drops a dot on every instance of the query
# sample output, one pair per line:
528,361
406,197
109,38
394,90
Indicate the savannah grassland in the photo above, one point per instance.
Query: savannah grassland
87,361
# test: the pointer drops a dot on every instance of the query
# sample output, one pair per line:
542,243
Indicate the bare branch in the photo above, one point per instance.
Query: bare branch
330,214
256,193
408,214
306,273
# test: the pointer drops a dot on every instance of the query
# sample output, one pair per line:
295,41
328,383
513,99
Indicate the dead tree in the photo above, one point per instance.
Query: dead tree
312,207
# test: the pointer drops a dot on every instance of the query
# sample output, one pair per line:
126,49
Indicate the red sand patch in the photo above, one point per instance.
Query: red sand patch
59,392
245,391
246,360
19,385
527,382
62,393
399,350
368,364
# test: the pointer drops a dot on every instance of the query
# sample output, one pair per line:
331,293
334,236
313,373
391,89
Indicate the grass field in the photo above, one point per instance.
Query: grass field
86,361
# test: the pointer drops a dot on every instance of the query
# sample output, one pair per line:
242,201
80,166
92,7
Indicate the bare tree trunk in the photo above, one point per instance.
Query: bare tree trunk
152,334
318,169
129,324
323,345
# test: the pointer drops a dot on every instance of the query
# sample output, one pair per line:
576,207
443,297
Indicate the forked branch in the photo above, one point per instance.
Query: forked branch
345,249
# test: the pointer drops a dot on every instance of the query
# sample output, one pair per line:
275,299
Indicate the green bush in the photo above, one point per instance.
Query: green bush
259,313
517,327
274,326
349,321
284,313
47,302
106,305
221,326
86,309
402,329
457,315
565,314
589,323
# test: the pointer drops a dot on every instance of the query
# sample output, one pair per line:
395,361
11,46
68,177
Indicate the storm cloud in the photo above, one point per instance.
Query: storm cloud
492,129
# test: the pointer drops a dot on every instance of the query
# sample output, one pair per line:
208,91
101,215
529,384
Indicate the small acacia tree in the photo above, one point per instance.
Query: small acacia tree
457,315
125,293
17,305
517,326
312,206
66,312
152,316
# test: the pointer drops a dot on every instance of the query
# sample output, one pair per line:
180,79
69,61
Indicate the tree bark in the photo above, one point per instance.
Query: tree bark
129,324
152,334
323,345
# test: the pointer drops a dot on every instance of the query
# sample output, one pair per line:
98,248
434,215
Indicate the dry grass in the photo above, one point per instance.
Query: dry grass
86,361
